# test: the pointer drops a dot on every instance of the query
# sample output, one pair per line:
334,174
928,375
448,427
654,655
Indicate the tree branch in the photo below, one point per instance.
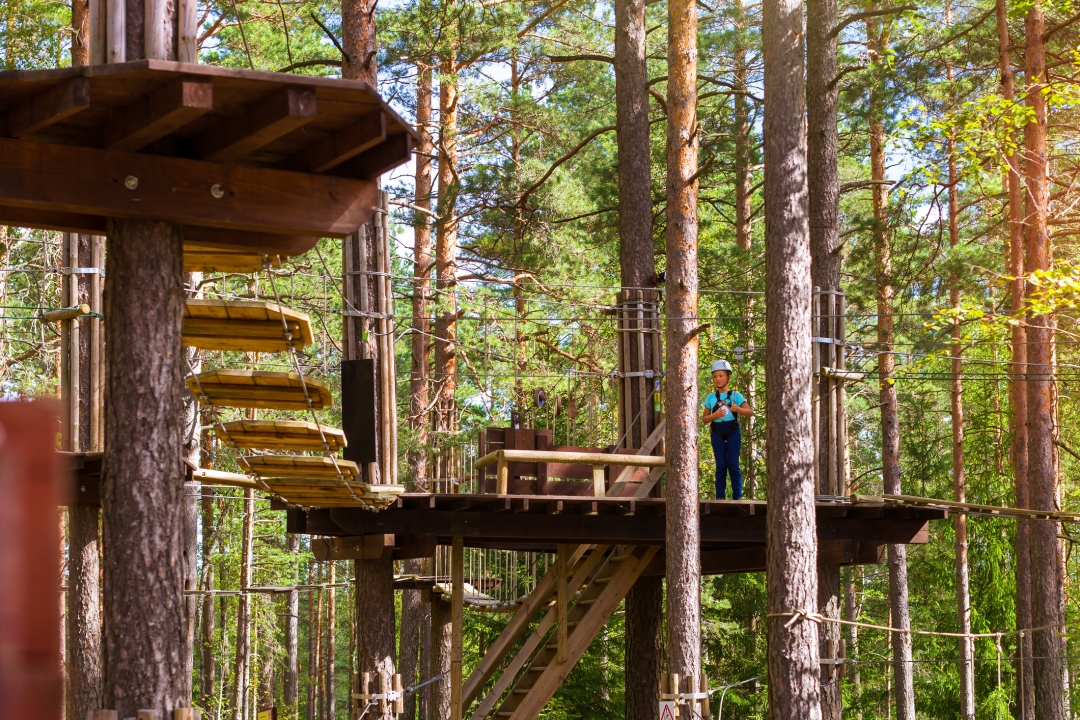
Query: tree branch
532,188
867,15
310,63
1061,26
573,58
329,34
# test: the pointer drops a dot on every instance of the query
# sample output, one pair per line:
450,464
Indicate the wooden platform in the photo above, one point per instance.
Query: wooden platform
258,389
279,435
208,147
301,467
732,532
217,258
244,325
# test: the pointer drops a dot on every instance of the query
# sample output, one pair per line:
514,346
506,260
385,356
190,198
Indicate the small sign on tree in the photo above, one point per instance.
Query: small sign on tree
667,710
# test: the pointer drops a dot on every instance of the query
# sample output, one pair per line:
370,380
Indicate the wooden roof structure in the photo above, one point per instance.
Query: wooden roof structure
239,158
245,325
209,258
259,389
279,435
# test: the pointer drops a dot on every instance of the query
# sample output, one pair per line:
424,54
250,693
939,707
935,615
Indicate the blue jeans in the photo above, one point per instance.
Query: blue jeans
727,461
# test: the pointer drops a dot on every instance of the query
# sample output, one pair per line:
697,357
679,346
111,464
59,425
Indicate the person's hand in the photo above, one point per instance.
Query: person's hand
722,409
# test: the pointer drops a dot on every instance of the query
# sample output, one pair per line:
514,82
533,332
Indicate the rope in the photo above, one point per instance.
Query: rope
799,615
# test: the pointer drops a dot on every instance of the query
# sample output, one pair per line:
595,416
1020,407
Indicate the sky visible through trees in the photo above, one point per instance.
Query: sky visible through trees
536,206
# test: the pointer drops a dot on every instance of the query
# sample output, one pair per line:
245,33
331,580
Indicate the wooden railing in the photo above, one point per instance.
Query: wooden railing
501,459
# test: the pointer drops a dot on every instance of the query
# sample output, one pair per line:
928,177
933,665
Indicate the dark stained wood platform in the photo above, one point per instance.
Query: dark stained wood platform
732,532
248,152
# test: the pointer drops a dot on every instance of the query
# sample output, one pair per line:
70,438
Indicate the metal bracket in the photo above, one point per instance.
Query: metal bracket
77,271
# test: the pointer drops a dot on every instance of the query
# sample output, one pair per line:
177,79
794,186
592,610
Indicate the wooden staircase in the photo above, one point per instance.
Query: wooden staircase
595,580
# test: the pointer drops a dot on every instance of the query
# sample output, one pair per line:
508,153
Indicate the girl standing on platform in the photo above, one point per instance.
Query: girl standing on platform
721,408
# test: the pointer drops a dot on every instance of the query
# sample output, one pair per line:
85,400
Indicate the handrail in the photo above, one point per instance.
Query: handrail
580,458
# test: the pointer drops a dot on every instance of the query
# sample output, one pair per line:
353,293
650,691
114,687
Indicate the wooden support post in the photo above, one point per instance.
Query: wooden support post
399,702
187,714
815,385
841,397
188,33
502,476
384,687
598,481
704,687
830,399
147,715
116,22
101,715
457,571
561,599
674,689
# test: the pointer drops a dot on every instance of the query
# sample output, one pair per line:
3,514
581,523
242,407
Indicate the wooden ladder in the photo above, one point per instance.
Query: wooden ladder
604,576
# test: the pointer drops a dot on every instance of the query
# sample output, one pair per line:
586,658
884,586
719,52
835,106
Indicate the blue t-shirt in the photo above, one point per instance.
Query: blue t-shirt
734,397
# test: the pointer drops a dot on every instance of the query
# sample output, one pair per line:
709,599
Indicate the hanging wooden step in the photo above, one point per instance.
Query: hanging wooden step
204,257
301,468
244,325
279,435
315,481
258,389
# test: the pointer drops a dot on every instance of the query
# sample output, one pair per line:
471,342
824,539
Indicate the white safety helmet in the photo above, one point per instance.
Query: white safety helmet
721,365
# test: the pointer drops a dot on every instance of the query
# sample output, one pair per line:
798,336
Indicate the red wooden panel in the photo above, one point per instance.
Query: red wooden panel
30,682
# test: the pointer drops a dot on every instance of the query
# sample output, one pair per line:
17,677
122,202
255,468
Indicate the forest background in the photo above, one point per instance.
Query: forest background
534,198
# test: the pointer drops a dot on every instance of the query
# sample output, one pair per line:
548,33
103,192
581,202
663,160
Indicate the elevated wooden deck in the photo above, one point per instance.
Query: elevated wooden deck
732,532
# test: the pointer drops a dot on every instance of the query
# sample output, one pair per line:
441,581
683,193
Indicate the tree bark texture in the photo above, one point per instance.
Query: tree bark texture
1017,380
331,642
421,337
446,238
683,531
1046,576
791,529
637,254
851,614
825,260
358,39
291,683
423,697
142,492
644,647
84,609
890,419
966,667
375,618
243,613
207,660
441,622
409,642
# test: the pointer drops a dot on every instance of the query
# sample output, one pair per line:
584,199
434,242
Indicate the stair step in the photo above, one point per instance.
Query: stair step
602,580
504,713
586,601
538,668
521,691
620,558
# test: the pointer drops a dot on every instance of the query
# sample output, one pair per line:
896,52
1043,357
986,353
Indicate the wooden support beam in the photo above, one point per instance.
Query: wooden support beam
558,456
457,571
346,143
52,106
395,151
502,475
598,481
154,116
561,599
277,114
79,180
360,547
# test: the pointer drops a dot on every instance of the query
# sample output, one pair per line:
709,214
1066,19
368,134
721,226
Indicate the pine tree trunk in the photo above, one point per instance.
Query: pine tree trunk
290,687
314,600
423,702
375,619
825,260
1046,576
84,609
890,419
791,529
637,258
243,614
410,638
683,546
851,614
142,495
644,613
1017,384
743,130
446,254
441,621
421,341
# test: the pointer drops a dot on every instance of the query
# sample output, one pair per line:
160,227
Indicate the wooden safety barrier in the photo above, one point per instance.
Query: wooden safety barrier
502,458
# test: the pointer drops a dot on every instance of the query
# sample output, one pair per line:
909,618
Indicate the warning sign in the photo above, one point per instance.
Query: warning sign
667,710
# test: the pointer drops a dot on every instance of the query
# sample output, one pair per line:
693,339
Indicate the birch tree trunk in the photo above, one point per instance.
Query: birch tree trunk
243,613
963,592
1017,381
683,534
292,637
1046,576
876,36
790,525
